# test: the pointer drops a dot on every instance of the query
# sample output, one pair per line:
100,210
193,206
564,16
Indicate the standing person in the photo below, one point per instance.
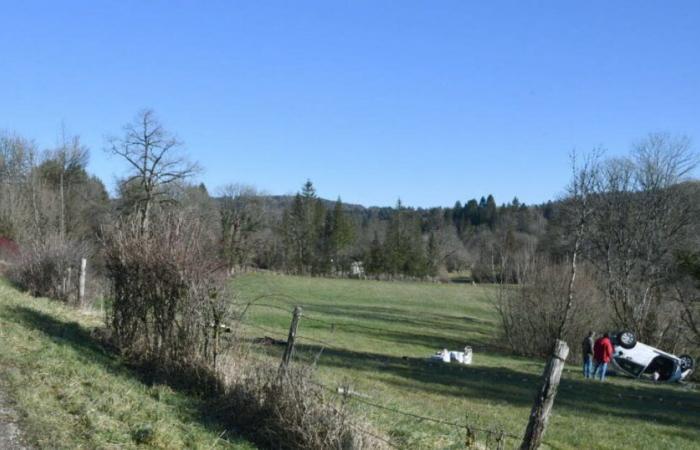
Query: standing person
587,352
602,354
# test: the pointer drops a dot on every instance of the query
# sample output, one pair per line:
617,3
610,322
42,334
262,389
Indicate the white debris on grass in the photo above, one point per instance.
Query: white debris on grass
447,356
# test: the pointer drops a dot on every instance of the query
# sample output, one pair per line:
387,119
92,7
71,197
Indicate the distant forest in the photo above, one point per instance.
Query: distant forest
304,234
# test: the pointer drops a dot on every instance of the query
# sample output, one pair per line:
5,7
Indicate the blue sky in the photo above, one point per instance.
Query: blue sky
372,100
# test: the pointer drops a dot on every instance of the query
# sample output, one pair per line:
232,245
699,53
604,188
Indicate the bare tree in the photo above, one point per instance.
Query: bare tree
16,163
152,153
242,216
551,300
641,215
579,208
64,167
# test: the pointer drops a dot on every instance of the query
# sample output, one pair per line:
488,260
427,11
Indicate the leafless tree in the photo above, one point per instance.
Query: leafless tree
242,211
152,153
16,163
70,155
641,215
579,208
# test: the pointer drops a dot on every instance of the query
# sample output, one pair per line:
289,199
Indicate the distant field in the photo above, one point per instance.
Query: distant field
384,331
71,394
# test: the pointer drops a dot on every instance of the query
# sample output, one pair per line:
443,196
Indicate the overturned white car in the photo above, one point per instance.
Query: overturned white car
644,361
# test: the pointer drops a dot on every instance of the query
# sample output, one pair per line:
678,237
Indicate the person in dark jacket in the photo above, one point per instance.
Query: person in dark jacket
587,352
602,354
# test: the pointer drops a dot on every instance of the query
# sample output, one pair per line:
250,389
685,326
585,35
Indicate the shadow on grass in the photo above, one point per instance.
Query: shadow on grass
667,406
426,329
92,350
638,401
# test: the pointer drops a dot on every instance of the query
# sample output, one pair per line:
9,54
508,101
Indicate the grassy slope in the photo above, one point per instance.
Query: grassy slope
72,395
385,330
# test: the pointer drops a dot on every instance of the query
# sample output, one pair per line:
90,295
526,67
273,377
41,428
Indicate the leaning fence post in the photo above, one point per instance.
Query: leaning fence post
81,290
545,397
289,349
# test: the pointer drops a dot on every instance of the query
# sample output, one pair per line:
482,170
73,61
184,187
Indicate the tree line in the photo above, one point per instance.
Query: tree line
631,222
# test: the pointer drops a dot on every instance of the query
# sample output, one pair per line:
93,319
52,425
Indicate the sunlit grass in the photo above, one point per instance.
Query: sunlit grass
384,331
72,394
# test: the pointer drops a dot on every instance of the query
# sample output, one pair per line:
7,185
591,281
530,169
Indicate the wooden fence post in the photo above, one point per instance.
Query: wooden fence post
289,349
545,397
81,290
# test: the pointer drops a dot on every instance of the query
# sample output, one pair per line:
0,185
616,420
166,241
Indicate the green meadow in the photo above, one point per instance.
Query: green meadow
372,337
376,337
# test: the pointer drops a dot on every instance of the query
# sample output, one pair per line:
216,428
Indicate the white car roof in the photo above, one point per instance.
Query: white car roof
642,353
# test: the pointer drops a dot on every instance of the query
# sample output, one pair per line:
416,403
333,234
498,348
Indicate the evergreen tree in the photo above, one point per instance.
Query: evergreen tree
491,211
375,257
458,216
472,212
403,245
302,227
338,235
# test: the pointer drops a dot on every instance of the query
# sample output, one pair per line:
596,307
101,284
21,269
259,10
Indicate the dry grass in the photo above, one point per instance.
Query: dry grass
289,410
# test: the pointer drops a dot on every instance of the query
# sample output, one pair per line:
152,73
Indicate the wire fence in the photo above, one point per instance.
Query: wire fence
474,435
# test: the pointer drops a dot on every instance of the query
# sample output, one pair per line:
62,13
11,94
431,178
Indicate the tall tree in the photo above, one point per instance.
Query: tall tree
152,154
338,235
302,227
241,211
642,214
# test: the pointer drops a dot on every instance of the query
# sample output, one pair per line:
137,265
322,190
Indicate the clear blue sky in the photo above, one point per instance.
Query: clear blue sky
372,100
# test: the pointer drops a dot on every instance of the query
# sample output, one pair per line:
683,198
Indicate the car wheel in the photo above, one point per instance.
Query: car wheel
627,339
687,362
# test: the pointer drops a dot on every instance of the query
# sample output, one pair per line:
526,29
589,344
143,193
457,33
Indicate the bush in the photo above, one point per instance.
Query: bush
291,412
532,312
168,303
50,267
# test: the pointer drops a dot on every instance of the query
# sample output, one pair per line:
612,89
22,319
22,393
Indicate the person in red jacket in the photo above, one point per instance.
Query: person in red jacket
602,354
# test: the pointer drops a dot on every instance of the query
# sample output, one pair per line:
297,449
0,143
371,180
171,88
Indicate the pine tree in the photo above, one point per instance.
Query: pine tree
491,211
458,216
472,212
303,231
375,257
338,234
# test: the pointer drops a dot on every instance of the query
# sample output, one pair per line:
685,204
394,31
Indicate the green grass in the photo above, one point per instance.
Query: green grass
385,331
72,394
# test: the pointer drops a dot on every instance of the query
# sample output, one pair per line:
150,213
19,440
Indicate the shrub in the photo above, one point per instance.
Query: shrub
168,303
291,412
532,312
49,267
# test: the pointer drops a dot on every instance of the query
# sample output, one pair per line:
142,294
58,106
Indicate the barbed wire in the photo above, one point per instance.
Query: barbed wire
265,329
419,417
308,317
333,325
364,430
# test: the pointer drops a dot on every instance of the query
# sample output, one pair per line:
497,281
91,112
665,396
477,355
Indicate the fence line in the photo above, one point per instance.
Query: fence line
359,399
307,317
332,325
498,434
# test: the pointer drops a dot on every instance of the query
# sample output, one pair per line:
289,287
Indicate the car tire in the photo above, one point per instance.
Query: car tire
627,339
687,362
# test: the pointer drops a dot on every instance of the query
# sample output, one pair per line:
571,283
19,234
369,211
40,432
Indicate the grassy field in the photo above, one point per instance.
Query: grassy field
384,331
71,394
